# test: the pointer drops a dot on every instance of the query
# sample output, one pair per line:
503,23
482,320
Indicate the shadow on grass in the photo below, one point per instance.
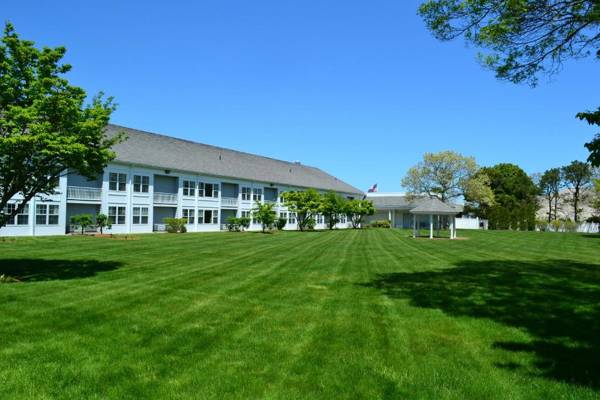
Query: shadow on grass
556,301
35,269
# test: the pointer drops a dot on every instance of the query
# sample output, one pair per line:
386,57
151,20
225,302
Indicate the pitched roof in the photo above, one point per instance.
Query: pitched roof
418,205
392,201
155,150
434,206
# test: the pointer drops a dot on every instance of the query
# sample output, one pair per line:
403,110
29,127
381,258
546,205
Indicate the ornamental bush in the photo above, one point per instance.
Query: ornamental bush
176,225
384,223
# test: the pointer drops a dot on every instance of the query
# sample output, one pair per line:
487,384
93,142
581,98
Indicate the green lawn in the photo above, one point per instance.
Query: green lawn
343,314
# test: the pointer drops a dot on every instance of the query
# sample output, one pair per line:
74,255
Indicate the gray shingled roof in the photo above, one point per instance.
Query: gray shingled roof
420,204
154,150
434,206
396,202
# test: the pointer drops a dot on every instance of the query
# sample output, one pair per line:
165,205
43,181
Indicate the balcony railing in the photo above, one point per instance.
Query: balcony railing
229,201
159,228
165,198
84,193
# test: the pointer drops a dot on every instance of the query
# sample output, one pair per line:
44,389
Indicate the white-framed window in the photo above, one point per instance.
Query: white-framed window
291,218
319,219
342,218
189,188
20,219
257,194
246,193
117,182
208,216
140,215
208,190
46,214
116,215
281,199
246,214
283,215
189,214
141,183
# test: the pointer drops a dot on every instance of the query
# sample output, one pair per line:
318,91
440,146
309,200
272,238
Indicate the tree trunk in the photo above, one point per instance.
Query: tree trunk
549,209
576,203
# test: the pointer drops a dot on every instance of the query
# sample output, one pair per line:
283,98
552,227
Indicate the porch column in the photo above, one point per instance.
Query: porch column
414,225
430,226
452,228
454,225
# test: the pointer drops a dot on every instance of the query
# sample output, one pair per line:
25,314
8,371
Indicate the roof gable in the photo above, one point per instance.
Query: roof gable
155,150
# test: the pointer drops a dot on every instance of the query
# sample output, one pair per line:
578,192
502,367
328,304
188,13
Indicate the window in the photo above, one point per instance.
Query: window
208,190
140,215
245,214
189,215
20,219
208,217
281,199
283,215
46,214
319,219
141,183
342,218
189,188
257,194
117,182
116,215
292,218
246,193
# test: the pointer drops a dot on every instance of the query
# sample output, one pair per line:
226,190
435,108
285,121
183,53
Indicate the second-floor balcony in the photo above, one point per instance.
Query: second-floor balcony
165,198
84,193
229,201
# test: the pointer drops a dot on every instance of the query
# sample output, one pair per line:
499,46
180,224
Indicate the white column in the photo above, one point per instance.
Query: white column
430,226
452,228
454,225
414,225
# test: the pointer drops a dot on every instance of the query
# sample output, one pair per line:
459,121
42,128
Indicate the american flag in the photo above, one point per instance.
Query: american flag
372,189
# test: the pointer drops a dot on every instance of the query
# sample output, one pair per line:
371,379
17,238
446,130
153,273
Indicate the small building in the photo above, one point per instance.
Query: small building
396,208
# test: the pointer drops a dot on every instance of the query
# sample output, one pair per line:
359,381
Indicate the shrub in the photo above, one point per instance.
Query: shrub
175,225
244,222
233,224
595,219
102,222
556,225
570,226
310,224
384,223
82,221
542,225
280,223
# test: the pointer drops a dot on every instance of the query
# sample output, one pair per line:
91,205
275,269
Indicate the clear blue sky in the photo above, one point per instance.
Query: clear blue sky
360,89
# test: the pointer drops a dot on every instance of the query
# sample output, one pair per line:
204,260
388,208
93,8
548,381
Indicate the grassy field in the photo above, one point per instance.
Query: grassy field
343,314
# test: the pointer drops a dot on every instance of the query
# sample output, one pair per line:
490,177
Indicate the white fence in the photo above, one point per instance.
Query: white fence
589,227
471,223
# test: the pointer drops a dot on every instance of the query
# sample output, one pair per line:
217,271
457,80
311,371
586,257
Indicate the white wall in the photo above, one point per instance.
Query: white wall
130,199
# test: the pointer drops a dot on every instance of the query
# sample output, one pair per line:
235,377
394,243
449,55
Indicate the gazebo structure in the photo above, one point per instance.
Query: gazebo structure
434,207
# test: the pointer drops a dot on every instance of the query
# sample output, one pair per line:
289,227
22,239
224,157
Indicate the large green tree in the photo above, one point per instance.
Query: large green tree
577,176
305,204
515,196
46,127
357,209
447,175
592,118
549,185
265,215
522,38
332,206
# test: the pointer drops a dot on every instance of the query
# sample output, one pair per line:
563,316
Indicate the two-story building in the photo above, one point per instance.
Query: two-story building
155,176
